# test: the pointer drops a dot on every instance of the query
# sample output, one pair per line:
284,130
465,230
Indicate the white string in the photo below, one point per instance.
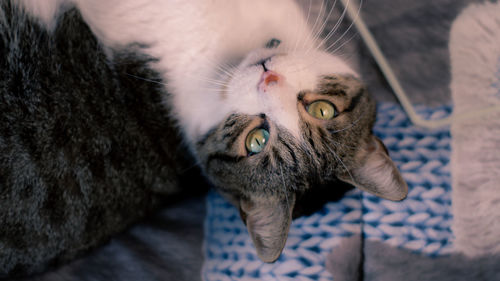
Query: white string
401,95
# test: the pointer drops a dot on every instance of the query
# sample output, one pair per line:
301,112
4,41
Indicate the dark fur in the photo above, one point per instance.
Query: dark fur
84,147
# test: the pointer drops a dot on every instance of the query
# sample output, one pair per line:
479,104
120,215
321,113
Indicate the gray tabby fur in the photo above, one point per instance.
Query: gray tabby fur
85,148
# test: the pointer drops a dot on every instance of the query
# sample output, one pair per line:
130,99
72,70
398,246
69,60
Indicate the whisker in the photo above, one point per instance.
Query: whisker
307,35
339,144
289,32
316,33
222,67
326,21
350,26
284,187
227,69
298,37
212,81
343,164
146,79
349,126
343,44
336,26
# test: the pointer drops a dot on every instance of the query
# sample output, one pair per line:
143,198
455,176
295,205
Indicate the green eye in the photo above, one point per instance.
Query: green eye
321,109
256,140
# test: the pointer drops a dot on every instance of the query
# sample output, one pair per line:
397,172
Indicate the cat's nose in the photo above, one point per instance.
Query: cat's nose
269,79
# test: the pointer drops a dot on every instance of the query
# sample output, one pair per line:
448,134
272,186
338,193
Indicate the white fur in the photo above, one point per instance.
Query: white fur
194,39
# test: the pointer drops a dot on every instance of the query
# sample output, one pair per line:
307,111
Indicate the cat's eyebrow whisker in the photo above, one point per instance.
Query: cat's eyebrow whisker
337,144
314,60
335,27
342,45
303,32
343,164
350,126
284,187
306,22
297,37
350,25
315,32
325,21
345,55
289,31
145,79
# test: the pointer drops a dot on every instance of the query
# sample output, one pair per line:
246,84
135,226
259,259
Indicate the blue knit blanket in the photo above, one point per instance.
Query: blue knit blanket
420,223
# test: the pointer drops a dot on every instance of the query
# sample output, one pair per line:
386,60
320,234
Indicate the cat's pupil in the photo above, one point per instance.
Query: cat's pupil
322,110
256,140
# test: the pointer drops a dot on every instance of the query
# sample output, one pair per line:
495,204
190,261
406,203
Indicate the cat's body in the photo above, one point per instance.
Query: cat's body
258,130
84,147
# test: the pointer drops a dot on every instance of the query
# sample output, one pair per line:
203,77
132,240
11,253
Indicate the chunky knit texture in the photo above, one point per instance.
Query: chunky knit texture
420,223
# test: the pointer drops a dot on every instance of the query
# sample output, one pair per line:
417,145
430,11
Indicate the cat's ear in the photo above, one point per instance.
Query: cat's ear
268,220
376,173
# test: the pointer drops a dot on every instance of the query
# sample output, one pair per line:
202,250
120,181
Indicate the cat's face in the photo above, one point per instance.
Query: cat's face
297,120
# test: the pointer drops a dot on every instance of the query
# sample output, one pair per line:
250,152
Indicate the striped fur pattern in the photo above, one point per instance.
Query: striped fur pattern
265,186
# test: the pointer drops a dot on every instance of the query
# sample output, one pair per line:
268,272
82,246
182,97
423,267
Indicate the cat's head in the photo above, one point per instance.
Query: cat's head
298,120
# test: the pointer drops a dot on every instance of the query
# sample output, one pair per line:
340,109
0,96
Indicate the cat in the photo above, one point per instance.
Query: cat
265,112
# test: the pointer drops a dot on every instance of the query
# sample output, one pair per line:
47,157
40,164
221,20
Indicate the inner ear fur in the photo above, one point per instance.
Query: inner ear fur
268,220
376,173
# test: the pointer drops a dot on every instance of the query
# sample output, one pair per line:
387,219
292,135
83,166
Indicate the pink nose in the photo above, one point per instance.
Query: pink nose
269,79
